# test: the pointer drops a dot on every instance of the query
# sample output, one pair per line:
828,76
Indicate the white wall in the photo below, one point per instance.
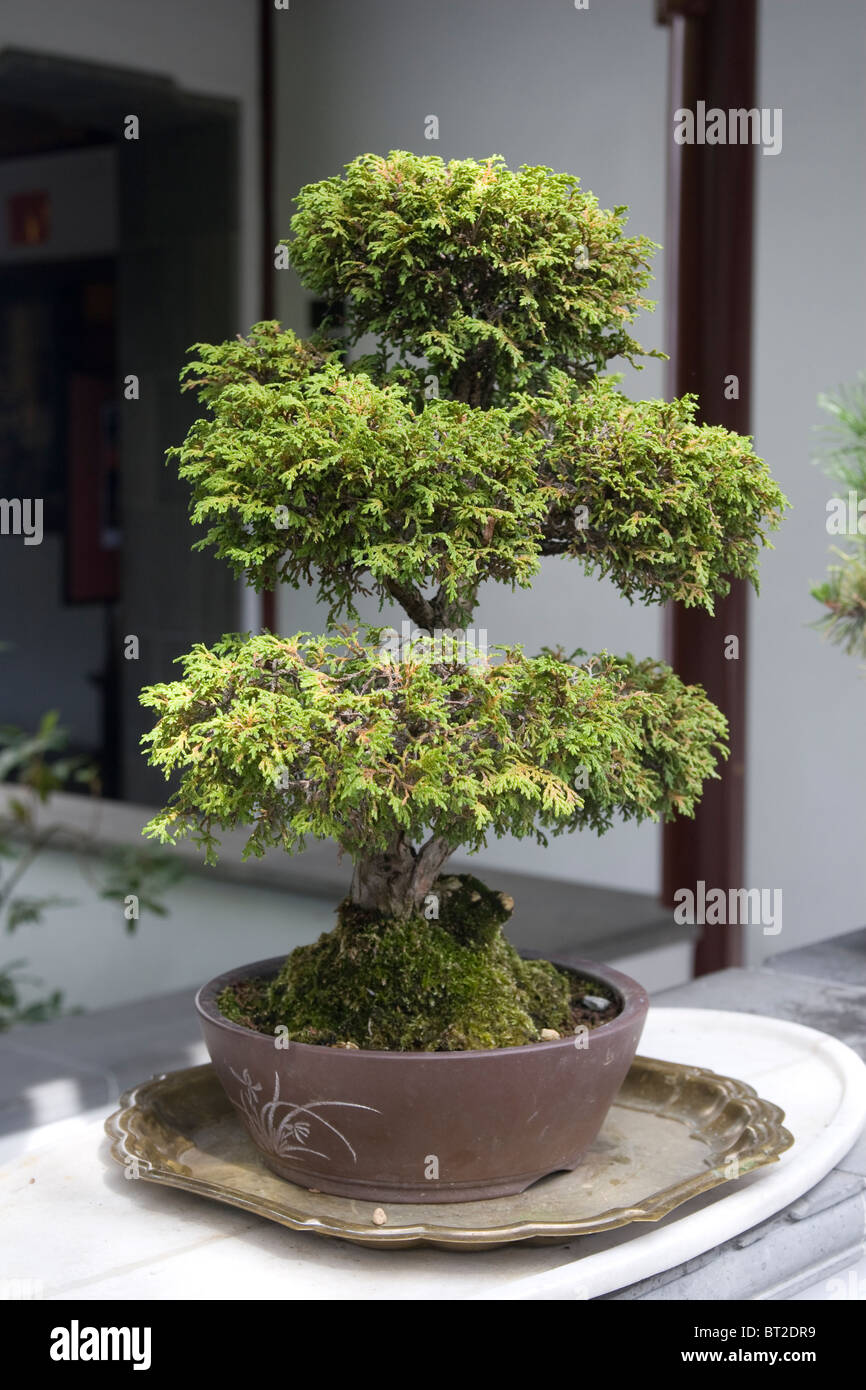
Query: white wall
539,83
806,766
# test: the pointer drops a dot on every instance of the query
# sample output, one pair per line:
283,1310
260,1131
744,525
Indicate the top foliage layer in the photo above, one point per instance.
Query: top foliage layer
494,276
516,288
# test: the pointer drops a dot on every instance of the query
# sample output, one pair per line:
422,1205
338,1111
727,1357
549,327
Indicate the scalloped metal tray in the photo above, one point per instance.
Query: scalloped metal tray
674,1131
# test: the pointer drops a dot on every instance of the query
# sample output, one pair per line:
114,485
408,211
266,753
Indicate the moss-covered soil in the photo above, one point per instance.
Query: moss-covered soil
412,984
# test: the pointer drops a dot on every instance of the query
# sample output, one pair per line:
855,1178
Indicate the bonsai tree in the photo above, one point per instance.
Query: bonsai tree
843,593
478,437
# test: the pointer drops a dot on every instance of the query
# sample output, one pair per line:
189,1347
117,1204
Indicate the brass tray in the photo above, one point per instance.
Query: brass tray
674,1131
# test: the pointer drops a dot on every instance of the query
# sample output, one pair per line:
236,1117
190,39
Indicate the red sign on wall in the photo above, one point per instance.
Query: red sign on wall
28,216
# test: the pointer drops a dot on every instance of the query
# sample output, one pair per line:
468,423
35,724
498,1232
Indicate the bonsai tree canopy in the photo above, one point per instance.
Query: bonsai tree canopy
403,761
330,478
514,289
493,277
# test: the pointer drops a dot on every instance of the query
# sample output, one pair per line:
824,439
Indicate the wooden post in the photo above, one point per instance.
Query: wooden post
709,311
266,145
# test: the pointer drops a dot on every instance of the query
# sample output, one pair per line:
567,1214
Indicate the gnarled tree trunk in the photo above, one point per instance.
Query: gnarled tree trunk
396,881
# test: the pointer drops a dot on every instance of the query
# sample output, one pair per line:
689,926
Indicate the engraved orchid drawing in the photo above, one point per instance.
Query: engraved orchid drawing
283,1134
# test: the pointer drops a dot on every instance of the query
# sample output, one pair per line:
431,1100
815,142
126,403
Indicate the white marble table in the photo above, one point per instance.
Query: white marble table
73,1226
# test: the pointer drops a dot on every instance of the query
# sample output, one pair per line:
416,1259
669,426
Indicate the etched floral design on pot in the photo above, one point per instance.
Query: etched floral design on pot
283,1135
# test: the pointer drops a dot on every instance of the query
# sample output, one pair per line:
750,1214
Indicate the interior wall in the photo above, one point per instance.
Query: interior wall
806,763
189,268
81,185
209,47
56,672
176,287
578,90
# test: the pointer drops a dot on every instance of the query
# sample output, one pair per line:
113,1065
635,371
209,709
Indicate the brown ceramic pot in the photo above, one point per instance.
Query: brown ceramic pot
422,1126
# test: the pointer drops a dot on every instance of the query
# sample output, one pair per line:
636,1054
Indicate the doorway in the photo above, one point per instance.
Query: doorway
119,249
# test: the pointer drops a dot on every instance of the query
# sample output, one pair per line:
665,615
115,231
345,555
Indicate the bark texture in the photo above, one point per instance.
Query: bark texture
397,881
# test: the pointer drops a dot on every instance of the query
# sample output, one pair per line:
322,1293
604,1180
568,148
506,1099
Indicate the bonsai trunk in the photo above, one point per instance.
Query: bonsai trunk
396,882
434,613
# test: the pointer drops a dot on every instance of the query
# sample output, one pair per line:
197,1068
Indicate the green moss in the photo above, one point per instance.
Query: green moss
546,992
413,984
245,1003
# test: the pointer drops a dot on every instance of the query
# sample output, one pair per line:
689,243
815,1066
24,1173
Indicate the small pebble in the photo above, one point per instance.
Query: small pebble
315,1190
549,1035
379,1217
594,1001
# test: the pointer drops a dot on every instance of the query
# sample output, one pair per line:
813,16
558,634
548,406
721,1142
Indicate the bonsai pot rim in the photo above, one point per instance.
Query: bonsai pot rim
633,998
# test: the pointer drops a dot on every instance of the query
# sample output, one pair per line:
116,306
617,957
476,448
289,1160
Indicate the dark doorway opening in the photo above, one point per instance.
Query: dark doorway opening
115,255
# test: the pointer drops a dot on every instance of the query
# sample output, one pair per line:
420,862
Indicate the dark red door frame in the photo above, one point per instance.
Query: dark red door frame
708,303
266,177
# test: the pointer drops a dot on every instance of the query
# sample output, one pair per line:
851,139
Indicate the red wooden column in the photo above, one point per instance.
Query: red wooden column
266,157
708,304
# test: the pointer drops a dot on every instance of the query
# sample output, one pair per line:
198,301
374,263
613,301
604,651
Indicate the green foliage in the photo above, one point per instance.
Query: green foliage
13,984
23,910
673,509
493,276
147,875
327,736
34,760
303,469
324,474
843,592
845,453
267,357
679,735
38,765
327,471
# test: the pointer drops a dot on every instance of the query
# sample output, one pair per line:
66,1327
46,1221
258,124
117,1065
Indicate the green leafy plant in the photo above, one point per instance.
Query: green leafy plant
513,290
843,592
38,765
